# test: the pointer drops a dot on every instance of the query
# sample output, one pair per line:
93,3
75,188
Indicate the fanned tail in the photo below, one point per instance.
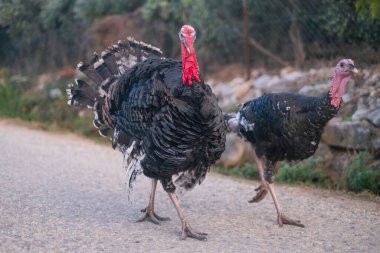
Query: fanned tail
104,71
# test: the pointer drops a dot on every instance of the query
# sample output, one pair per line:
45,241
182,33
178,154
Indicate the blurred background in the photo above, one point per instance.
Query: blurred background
245,48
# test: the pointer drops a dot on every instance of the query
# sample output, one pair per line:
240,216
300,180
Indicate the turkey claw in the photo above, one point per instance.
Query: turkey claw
282,219
152,217
262,192
192,234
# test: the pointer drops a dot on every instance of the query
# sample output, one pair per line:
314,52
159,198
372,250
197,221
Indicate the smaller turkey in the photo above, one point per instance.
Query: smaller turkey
159,113
287,126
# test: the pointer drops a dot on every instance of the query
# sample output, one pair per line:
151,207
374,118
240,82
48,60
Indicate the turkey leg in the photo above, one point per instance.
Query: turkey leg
262,190
186,229
150,215
282,219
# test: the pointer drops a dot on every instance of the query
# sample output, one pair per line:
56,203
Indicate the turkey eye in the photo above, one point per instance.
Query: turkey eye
341,65
181,36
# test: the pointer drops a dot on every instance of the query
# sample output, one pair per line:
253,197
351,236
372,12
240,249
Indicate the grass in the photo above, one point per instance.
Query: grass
347,118
359,176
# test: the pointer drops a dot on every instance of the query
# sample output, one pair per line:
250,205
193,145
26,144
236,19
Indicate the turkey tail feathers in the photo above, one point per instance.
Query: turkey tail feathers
104,71
81,94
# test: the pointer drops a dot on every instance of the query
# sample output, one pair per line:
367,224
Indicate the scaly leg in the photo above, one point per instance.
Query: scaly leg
263,188
186,229
269,175
282,219
150,215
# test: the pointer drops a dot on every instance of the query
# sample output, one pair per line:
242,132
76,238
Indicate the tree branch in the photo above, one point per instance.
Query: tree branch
268,53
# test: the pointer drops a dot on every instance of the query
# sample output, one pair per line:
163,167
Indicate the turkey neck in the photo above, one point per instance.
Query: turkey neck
339,83
190,68
328,106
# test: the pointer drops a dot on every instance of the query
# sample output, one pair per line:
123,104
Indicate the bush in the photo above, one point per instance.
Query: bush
11,104
247,171
307,172
360,177
37,105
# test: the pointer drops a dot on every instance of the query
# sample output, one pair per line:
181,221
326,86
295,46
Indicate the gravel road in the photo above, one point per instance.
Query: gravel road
61,193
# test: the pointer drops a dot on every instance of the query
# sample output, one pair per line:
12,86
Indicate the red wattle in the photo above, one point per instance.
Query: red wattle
190,67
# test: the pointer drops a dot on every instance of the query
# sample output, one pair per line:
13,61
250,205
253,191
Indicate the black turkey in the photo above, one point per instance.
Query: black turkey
159,113
287,126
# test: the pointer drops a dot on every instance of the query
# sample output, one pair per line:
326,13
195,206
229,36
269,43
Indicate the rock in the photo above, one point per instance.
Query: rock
286,70
237,81
340,162
274,81
251,94
346,98
360,114
225,96
314,90
373,79
374,117
262,81
294,76
241,90
375,143
324,151
237,152
54,93
373,103
347,134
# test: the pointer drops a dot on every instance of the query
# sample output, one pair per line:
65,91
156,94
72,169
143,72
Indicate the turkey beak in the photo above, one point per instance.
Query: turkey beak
353,69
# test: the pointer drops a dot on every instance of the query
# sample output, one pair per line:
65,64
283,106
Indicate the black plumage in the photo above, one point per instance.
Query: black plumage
163,126
287,126
180,127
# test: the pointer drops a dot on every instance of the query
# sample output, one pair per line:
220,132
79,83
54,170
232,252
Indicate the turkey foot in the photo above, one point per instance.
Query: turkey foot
282,219
187,232
262,192
186,229
151,216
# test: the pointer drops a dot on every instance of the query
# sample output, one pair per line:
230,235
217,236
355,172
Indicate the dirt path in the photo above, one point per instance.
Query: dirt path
60,193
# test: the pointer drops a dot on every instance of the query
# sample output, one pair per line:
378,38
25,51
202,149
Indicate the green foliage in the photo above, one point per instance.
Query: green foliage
247,171
372,5
347,118
307,172
19,17
340,23
37,35
218,38
360,177
38,106
41,35
11,104
90,10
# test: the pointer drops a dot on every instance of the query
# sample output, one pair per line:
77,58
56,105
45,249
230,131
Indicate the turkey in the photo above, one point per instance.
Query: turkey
158,113
287,126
